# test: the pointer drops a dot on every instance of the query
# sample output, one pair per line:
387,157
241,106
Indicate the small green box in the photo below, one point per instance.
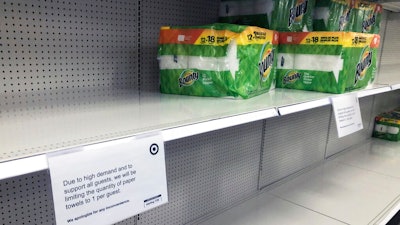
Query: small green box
387,126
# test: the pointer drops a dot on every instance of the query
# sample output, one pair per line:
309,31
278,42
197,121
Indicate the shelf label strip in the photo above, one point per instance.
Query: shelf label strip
120,178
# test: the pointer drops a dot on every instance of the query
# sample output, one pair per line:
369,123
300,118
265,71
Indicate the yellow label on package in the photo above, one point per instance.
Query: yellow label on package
345,39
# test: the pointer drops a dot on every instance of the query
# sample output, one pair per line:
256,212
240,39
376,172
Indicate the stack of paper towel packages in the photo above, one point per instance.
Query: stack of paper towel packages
332,62
347,15
219,60
289,15
227,59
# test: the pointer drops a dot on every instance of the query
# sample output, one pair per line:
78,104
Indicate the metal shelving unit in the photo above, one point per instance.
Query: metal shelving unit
79,73
358,186
27,137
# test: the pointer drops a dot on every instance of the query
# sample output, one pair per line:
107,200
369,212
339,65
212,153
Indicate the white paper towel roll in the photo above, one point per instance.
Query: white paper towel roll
230,62
321,13
203,63
231,57
325,63
381,128
392,130
173,62
285,61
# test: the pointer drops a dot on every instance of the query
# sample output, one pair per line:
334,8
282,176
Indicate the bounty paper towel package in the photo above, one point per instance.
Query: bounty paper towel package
218,60
366,17
347,15
333,62
333,15
387,126
290,15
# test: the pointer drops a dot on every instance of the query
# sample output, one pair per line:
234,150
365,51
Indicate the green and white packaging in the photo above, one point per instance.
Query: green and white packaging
333,15
387,126
347,15
333,62
217,60
290,15
366,17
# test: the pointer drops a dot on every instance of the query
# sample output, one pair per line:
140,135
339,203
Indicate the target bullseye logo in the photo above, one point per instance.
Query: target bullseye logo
154,149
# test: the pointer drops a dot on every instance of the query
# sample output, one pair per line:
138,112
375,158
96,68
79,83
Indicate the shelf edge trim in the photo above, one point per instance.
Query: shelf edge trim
23,166
217,124
369,92
285,110
395,87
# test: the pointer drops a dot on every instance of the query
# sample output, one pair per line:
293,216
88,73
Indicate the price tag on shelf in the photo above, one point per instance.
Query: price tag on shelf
108,182
347,113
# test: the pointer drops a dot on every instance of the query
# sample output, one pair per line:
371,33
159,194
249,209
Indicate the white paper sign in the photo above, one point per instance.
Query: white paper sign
347,114
108,182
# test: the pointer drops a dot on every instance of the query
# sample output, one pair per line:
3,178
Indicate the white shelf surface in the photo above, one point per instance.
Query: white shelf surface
389,75
267,209
47,128
360,186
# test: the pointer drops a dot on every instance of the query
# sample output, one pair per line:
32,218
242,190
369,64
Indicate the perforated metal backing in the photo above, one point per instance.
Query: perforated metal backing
157,13
293,142
26,200
391,44
53,48
336,144
208,172
386,101
130,221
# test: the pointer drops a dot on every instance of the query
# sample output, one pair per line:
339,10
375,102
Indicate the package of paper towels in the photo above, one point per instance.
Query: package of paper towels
366,17
387,125
333,62
217,60
347,15
290,15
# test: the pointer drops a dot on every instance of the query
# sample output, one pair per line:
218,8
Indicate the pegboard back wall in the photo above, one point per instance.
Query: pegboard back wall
207,173
292,143
27,200
157,13
54,48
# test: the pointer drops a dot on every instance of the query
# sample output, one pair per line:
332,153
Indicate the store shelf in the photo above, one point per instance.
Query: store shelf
360,186
388,75
325,100
268,209
48,127
374,90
